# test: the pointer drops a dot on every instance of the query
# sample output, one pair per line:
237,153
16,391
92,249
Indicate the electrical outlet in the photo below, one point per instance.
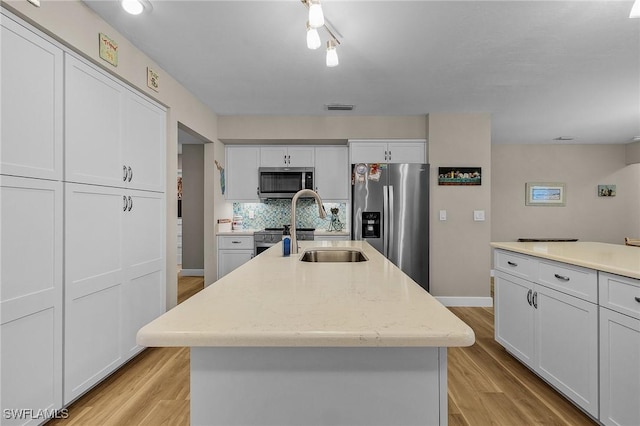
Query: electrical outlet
36,3
478,215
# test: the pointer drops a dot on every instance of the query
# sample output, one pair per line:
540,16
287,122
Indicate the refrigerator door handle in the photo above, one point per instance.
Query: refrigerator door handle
385,221
390,235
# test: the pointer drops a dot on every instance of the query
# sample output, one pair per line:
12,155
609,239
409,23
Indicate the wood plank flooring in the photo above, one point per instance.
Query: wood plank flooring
487,386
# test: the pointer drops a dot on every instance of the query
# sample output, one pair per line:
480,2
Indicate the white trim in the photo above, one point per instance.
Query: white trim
492,273
478,302
192,273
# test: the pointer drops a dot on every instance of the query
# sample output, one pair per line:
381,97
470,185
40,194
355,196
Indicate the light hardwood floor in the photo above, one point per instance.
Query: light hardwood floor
487,386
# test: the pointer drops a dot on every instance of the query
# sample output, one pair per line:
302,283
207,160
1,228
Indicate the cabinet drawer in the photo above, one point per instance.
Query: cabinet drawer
620,294
574,280
520,265
235,242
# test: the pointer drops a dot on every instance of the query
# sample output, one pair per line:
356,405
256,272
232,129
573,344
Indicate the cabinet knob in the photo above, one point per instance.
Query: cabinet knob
529,293
535,300
124,203
124,173
130,203
130,170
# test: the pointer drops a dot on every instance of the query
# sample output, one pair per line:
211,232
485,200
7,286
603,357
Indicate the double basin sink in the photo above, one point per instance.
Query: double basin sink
333,255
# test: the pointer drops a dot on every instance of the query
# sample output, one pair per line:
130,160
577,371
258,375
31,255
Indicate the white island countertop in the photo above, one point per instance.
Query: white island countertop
281,301
614,258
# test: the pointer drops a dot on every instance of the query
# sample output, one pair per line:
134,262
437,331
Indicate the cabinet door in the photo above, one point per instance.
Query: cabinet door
144,288
273,156
143,143
567,346
31,104
94,275
407,152
368,152
31,294
619,368
300,156
228,260
332,173
242,173
93,105
514,316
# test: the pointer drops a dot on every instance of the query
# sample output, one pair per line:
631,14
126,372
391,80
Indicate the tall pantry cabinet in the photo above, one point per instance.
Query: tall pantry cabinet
93,231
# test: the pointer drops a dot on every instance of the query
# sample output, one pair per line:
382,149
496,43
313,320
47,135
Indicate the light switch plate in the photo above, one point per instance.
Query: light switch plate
478,215
443,215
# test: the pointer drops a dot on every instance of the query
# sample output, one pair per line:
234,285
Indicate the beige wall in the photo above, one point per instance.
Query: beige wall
75,25
581,167
633,153
460,251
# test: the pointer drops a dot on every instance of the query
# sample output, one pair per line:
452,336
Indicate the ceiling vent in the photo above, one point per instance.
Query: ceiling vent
339,107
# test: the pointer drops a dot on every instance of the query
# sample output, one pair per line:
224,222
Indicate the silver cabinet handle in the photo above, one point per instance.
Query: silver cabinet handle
130,170
561,277
130,203
124,173
124,200
236,242
510,263
529,294
389,155
535,300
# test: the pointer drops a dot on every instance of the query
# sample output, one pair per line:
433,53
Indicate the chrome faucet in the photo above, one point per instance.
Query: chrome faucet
321,213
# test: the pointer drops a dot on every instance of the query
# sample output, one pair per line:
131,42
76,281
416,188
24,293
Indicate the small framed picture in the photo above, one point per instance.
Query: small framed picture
545,194
606,190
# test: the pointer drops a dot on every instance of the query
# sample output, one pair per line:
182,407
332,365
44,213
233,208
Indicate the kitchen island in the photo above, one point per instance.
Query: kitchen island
281,341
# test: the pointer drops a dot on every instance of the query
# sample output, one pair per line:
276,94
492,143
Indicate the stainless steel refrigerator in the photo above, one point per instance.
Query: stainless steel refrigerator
390,210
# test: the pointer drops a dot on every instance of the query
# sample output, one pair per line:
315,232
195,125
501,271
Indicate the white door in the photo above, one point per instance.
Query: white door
31,294
300,156
368,152
242,173
273,156
31,104
619,368
94,276
93,111
567,345
228,260
144,249
332,173
407,152
143,143
514,316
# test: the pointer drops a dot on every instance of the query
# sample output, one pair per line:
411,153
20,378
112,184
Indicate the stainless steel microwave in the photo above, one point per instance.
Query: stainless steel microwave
284,182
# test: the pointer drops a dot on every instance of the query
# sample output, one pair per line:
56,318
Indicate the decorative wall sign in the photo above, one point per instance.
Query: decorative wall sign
108,49
459,176
545,194
153,79
606,190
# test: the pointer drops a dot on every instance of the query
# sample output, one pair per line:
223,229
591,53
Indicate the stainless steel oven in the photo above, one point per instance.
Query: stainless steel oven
272,236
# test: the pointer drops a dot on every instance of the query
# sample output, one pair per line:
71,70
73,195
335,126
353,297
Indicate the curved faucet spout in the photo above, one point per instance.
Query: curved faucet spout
321,213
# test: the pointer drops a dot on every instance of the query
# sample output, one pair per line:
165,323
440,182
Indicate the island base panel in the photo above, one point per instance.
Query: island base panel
302,385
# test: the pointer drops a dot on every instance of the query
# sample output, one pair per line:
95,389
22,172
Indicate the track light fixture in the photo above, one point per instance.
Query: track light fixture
317,20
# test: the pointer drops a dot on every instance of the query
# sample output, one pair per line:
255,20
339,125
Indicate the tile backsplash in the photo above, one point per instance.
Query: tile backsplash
275,213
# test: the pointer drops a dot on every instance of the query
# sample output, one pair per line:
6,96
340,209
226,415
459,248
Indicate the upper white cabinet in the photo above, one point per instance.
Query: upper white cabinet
31,104
242,163
332,180
388,151
287,156
114,137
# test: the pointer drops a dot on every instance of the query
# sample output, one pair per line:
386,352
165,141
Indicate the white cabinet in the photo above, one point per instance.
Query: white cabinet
242,163
619,350
31,296
387,151
31,104
551,331
114,278
233,251
287,156
114,137
332,180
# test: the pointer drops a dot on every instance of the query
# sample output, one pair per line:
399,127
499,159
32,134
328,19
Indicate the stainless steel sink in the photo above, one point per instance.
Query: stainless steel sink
326,255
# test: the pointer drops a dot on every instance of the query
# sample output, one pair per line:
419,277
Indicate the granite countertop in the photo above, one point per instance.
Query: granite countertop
280,301
614,258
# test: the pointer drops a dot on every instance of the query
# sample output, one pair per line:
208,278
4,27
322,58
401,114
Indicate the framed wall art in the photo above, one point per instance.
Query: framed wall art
545,194
606,190
459,176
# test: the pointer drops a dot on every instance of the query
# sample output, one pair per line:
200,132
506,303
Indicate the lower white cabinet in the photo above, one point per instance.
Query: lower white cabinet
31,297
619,350
114,278
554,334
233,251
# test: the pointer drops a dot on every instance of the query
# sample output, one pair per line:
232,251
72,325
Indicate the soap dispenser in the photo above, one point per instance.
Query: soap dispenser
286,241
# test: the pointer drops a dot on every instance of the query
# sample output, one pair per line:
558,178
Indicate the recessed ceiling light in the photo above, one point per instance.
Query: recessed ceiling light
136,7
563,138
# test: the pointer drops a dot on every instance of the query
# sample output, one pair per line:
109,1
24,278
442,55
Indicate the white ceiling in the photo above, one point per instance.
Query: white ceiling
543,69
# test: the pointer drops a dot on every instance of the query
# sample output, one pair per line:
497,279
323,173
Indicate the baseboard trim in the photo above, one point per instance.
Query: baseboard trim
192,273
477,302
